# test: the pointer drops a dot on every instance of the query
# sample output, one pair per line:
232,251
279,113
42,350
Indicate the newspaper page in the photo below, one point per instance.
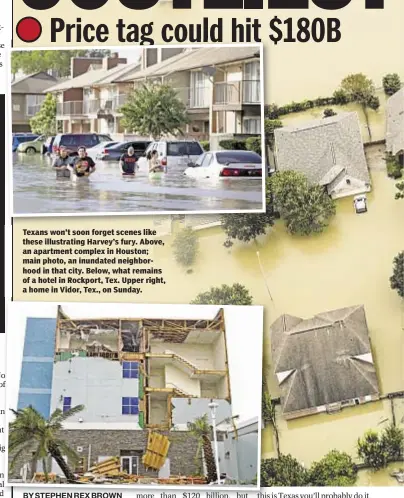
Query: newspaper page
204,249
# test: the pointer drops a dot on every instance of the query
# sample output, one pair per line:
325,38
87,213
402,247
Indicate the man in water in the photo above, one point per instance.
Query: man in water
62,163
83,165
128,162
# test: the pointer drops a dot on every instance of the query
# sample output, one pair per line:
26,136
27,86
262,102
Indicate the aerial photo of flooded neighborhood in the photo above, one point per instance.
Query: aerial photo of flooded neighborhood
327,262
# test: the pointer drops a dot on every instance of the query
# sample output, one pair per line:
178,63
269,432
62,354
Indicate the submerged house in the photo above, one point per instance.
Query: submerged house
328,151
134,377
395,126
323,363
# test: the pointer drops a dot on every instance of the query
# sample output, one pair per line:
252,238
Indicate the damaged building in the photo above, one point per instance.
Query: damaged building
137,379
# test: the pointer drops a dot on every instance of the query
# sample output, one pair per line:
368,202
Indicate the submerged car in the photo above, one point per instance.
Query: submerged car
19,138
33,146
72,141
174,153
114,152
360,203
226,163
97,151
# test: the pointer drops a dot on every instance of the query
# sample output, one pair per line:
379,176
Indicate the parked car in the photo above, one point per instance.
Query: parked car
360,203
174,153
33,146
19,138
114,152
48,145
72,141
96,151
226,163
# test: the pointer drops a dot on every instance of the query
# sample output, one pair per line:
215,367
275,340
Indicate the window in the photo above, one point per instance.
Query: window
252,126
239,156
130,406
199,90
130,465
207,160
252,81
184,148
67,404
34,104
130,370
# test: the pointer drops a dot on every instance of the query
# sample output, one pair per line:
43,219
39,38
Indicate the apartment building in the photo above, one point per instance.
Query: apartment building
221,88
27,95
132,376
89,101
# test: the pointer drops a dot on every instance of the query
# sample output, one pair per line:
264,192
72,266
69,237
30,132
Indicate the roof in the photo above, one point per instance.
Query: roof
35,83
97,77
395,123
328,151
194,59
324,359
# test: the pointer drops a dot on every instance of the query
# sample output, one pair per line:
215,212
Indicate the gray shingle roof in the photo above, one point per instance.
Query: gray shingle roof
395,123
97,77
328,151
196,58
324,359
35,83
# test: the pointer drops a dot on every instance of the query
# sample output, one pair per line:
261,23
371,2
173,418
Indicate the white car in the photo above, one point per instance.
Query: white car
173,154
226,163
360,203
96,151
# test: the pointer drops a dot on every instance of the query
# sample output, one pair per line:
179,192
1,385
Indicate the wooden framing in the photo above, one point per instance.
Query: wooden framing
169,330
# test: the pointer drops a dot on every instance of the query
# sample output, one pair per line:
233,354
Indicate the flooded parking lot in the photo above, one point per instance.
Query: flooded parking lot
36,190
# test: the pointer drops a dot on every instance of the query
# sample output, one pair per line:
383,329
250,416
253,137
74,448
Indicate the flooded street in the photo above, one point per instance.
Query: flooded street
36,190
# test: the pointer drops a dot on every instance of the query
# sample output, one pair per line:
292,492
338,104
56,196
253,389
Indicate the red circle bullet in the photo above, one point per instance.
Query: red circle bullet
29,29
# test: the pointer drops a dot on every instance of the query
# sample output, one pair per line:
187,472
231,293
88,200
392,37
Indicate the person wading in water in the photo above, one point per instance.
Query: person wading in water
83,165
61,164
128,162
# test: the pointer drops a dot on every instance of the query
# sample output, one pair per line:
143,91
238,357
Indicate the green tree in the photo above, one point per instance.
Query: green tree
361,89
282,186
283,471
393,439
186,246
334,469
270,125
254,144
201,429
31,432
372,450
43,60
154,110
397,279
235,294
391,83
400,188
44,121
305,208
245,226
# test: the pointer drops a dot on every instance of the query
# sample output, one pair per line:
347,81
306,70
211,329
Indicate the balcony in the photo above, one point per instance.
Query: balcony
194,98
237,93
73,108
91,107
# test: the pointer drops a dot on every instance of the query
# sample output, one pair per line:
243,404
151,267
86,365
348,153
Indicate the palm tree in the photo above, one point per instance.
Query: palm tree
201,429
30,431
